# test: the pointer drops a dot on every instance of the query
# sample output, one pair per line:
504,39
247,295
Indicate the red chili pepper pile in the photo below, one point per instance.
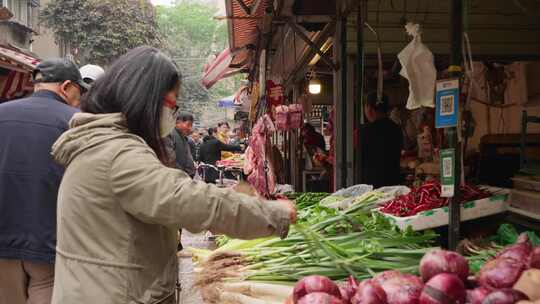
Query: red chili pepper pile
427,197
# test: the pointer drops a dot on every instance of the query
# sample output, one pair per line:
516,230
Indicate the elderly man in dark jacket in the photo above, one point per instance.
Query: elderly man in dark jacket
184,159
29,180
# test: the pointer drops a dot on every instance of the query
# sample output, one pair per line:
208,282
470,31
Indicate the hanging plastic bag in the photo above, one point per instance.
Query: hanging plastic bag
419,69
389,193
354,191
343,198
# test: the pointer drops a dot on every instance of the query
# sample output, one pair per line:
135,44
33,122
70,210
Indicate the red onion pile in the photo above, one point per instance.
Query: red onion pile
319,298
500,273
444,277
508,265
348,289
477,295
534,261
315,284
505,296
400,288
442,261
369,292
520,251
443,288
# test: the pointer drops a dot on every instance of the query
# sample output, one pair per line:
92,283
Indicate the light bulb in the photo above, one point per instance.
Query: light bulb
314,86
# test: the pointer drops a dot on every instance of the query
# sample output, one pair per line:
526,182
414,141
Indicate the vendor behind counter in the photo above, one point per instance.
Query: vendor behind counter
382,142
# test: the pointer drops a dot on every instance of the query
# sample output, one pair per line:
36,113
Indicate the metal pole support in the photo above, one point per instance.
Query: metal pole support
456,35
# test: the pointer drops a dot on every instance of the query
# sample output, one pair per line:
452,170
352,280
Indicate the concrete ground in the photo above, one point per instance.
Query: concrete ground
189,294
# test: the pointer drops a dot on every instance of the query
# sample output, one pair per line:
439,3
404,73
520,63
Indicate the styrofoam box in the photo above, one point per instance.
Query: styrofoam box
439,217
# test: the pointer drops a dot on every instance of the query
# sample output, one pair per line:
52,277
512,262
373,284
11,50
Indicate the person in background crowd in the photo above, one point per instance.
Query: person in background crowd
120,206
184,159
381,145
91,72
29,181
195,142
210,153
222,135
223,129
313,140
235,137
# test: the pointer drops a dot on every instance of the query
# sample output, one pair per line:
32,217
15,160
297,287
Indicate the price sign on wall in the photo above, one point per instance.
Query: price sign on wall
448,176
447,103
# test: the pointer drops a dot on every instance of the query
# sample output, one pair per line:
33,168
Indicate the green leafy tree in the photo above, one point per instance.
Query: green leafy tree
190,37
100,31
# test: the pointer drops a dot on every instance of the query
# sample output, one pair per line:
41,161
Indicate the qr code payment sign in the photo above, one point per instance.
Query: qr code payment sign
447,105
447,167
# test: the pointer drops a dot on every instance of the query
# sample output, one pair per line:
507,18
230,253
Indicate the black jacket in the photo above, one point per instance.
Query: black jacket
210,153
195,148
29,177
381,152
184,159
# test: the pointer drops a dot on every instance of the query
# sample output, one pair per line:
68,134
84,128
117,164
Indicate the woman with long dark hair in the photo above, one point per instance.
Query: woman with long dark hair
120,206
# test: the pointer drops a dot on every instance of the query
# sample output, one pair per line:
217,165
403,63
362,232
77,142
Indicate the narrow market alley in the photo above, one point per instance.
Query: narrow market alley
340,152
190,294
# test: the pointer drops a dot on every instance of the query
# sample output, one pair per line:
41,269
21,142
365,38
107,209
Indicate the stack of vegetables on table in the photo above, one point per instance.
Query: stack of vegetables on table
356,256
325,241
328,241
444,277
428,197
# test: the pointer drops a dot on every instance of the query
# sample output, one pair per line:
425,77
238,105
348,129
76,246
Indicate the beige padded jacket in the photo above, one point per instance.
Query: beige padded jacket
119,210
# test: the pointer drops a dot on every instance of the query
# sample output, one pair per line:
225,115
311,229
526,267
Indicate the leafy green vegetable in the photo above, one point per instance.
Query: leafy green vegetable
333,243
508,235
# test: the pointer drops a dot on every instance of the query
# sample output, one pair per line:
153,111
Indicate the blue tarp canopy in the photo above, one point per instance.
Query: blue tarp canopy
227,102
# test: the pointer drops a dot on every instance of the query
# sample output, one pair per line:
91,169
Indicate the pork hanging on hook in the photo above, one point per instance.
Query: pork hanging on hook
418,67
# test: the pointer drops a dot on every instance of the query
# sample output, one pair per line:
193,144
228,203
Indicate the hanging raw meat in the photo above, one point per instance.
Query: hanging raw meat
260,173
282,118
296,118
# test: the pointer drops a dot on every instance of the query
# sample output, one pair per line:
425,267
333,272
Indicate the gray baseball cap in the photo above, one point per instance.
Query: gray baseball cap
59,70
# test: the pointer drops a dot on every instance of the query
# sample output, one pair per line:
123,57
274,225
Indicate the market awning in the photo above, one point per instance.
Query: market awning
217,68
12,59
220,67
17,81
244,18
227,102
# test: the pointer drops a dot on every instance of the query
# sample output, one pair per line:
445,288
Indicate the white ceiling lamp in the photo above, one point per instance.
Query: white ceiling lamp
314,85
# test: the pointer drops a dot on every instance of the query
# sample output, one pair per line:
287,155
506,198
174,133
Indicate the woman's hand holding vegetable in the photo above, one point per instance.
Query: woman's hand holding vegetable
245,188
292,209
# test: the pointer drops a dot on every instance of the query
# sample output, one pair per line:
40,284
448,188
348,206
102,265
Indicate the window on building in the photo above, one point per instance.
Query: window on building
21,10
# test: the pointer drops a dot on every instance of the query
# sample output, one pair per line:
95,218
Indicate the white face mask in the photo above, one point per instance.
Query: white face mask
168,122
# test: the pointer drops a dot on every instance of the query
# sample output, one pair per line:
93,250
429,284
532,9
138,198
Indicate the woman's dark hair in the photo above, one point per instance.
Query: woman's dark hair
135,85
381,106
211,131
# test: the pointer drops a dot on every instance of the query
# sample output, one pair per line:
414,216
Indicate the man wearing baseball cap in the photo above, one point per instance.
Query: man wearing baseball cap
29,180
91,72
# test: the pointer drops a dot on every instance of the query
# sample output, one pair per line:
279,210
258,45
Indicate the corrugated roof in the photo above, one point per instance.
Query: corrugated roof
243,32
